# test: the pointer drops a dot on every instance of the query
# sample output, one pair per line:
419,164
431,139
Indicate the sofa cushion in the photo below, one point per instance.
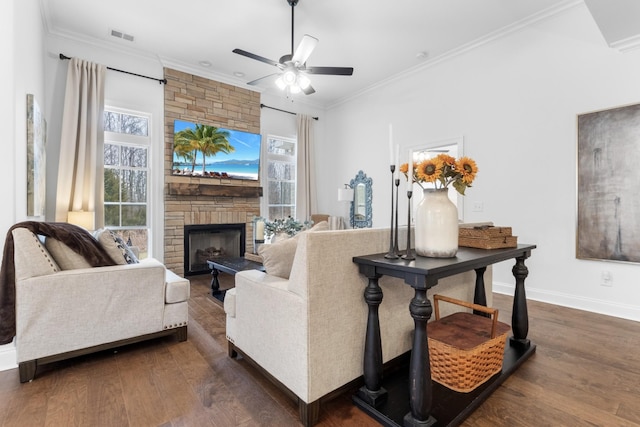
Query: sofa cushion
115,246
67,258
177,289
31,258
277,258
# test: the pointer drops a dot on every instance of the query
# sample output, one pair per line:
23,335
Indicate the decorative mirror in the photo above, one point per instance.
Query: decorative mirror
361,204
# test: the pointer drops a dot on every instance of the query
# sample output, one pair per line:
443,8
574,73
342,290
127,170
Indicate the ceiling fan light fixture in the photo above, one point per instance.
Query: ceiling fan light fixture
289,77
280,83
303,81
292,65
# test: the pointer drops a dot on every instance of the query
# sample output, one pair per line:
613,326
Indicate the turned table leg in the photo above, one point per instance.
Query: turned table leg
372,392
519,314
479,295
420,393
215,283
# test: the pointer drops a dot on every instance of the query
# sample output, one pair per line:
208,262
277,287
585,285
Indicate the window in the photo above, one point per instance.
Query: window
126,176
281,177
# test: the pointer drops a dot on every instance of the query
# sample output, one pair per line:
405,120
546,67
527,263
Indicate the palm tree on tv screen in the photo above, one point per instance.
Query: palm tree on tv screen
183,150
209,140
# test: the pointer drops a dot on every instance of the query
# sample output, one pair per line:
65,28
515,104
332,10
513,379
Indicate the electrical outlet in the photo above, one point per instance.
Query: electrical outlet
478,206
606,279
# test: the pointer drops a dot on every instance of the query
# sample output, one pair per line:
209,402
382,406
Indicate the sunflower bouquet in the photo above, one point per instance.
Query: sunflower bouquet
444,170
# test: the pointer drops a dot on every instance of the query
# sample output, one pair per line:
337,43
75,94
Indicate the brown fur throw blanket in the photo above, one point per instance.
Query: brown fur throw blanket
77,238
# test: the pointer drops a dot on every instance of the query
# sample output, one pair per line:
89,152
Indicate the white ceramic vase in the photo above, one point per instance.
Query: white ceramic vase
436,225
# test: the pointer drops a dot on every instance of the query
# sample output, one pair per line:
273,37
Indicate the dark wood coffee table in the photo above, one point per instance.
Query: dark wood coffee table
229,265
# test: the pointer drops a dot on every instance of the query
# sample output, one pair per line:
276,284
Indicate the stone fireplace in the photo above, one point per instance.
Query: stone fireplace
191,200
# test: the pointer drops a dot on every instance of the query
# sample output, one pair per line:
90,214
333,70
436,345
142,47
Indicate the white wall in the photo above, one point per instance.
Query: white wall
7,173
283,124
7,115
21,72
27,48
515,101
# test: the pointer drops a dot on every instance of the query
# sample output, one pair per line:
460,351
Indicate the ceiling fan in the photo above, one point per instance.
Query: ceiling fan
293,70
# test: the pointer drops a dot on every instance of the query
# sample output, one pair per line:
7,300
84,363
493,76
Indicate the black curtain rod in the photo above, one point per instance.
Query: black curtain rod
283,111
62,56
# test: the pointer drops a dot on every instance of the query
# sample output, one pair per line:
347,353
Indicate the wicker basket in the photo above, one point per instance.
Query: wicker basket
465,349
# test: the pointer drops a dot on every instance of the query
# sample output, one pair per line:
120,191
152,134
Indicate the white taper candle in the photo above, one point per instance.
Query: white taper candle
396,161
391,143
410,172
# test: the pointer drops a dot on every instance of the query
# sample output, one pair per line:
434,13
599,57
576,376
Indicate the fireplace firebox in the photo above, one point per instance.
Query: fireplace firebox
211,241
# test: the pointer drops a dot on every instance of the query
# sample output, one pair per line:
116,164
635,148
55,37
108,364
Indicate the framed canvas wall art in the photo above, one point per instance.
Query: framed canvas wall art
36,158
608,169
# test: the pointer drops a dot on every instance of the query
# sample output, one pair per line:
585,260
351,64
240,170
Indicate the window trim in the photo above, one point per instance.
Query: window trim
124,139
280,158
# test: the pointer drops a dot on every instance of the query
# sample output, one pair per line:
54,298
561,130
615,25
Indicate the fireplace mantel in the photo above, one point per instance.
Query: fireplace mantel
190,189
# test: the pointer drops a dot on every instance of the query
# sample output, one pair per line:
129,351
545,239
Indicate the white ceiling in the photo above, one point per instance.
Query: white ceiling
380,39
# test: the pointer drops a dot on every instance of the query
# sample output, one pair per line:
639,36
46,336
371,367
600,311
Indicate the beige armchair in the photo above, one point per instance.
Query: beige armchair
62,313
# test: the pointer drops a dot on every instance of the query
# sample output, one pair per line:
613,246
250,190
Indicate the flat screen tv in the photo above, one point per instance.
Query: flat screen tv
214,152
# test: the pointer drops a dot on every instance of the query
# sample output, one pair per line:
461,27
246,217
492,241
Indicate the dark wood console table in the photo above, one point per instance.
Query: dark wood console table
409,398
230,265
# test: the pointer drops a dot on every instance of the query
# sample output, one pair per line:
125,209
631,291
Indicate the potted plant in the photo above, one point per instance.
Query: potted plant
284,227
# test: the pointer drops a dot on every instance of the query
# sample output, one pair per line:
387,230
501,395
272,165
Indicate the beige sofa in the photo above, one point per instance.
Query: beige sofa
307,332
65,313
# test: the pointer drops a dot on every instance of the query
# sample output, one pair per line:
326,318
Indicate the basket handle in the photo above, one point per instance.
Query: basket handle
492,311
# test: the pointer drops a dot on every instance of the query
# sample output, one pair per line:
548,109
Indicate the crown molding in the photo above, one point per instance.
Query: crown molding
627,45
498,34
45,15
190,69
102,44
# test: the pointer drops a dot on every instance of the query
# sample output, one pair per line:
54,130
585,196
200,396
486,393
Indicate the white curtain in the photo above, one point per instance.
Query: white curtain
80,173
306,199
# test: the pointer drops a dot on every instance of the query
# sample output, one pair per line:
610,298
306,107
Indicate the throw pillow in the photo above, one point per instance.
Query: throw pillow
31,258
115,247
67,258
321,226
277,258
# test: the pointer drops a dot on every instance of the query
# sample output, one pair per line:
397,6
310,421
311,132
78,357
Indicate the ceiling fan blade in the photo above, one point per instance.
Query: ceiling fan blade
309,90
336,71
261,79
256,57
306,46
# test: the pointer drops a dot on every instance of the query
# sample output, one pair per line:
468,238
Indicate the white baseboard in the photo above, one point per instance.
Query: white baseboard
623,311
8,356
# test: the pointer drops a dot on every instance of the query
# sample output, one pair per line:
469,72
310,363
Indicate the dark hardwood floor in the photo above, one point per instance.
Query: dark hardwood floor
586,371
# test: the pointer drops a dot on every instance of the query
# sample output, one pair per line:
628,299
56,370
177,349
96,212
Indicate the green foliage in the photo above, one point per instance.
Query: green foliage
284,225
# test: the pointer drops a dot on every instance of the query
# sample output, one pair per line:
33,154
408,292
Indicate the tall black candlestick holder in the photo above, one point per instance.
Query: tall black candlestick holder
395,234
409,254
393,252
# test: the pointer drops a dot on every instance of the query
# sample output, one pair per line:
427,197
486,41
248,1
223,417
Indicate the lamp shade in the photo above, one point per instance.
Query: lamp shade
345,194
84,219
